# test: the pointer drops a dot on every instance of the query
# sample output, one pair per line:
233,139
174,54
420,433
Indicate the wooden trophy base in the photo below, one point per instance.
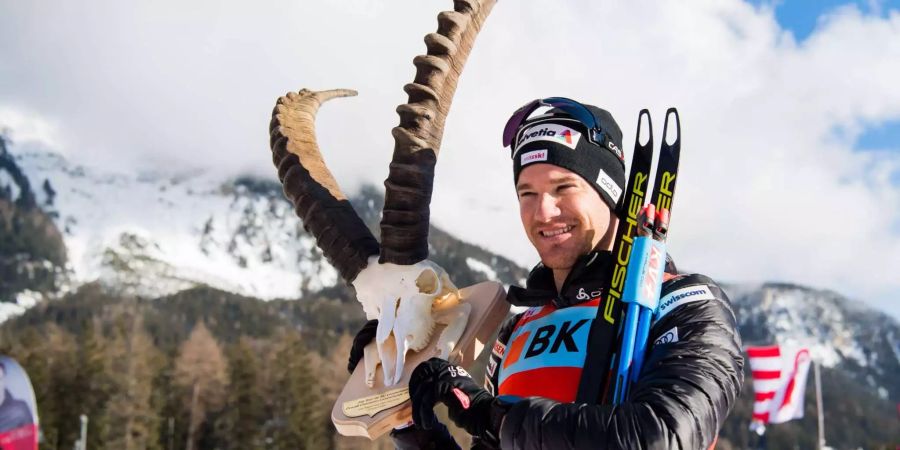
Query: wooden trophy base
371,412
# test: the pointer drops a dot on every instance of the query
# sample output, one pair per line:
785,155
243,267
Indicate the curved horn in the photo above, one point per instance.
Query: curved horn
326,213
417,140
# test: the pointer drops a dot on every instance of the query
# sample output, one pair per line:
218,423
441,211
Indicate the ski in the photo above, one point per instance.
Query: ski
605,327
633,286
662,197
645,271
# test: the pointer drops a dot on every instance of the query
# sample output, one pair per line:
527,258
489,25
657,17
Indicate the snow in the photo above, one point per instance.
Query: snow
479,266
154,234
810,318
7,180
894,344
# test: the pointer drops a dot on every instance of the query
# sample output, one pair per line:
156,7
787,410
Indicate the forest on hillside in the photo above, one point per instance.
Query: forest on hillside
196,382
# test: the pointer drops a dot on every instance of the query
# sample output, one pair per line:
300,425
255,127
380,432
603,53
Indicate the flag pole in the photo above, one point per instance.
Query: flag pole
819,406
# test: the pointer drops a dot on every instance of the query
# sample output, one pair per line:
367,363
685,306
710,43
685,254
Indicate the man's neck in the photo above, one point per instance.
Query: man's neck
559,277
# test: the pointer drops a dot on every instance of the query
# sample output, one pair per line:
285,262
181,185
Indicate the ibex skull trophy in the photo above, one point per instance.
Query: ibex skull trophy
394,281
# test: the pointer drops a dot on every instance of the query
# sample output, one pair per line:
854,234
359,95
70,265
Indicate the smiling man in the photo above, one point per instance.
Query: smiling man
569,174
563,217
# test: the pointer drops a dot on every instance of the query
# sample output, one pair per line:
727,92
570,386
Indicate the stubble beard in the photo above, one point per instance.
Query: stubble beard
564,255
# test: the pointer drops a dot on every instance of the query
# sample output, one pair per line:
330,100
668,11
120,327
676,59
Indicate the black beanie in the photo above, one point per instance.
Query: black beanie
557,138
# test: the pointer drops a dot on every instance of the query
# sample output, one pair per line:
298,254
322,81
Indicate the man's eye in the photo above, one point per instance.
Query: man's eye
565,187
525,194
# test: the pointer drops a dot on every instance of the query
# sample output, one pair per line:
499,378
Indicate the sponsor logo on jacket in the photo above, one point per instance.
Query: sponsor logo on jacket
545,355
492,367
583,294
557,339
668,337
684,295
499,349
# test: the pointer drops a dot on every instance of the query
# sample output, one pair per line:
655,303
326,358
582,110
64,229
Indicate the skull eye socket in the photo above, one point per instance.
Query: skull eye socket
428,282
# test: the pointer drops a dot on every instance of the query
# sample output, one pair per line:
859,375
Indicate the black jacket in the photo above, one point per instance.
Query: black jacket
691,377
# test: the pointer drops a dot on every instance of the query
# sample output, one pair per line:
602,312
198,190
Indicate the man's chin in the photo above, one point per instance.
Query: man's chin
559,262
560,257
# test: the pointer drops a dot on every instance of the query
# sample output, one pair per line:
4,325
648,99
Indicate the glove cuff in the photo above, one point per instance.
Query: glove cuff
496,413
488,413
416,438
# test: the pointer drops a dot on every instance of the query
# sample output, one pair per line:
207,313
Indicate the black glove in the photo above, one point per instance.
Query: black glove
471,407
415,438
362,339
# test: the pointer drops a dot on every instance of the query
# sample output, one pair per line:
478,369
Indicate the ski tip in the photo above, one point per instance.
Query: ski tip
673,112
648,142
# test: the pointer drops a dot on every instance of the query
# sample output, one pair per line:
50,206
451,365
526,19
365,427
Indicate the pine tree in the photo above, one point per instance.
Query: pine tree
201,371
59,419
132,416
94,374
245,413
298,409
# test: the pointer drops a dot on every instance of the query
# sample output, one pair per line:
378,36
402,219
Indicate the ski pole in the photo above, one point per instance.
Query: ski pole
641,294
640,345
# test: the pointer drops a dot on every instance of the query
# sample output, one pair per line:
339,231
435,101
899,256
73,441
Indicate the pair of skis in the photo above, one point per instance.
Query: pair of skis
636,273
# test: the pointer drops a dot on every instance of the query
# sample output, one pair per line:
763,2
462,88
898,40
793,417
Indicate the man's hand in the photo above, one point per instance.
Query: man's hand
405,438
362,339
471,407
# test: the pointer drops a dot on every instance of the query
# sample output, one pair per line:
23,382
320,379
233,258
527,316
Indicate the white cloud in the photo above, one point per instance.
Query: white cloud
23,127
768,188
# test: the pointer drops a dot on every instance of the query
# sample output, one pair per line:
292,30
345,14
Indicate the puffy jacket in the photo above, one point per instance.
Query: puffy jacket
690,379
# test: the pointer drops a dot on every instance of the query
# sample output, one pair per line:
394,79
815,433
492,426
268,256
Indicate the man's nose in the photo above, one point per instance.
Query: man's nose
547,208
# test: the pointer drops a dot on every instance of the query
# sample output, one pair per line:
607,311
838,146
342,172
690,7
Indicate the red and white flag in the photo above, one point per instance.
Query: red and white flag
779,382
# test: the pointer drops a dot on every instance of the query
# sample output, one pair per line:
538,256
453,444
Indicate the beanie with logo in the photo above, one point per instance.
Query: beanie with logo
559,139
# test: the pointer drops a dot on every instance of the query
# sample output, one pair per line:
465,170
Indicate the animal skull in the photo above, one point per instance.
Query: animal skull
408,301
385,273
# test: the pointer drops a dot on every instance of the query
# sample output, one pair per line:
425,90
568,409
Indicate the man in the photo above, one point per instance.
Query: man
569,176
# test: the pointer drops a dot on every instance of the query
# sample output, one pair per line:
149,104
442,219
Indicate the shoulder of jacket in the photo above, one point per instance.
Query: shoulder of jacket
691,288
509,324
687,279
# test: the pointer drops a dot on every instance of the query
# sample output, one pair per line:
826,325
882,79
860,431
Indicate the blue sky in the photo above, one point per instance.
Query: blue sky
800,17
884,136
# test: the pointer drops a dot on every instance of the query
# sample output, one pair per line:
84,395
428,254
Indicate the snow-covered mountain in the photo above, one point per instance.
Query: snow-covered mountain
839,332
153,234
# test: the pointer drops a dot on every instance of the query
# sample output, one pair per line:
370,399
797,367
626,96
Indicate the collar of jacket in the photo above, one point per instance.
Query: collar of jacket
583,283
